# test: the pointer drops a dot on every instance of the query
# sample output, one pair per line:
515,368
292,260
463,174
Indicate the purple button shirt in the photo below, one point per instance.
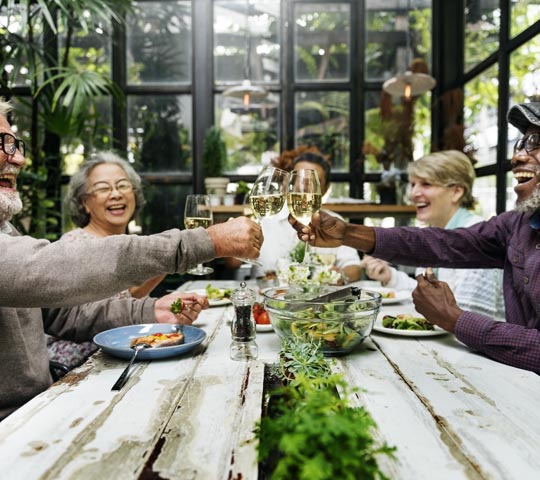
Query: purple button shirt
506,241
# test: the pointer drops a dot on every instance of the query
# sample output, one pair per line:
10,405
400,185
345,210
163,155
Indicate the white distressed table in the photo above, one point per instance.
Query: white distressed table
451,414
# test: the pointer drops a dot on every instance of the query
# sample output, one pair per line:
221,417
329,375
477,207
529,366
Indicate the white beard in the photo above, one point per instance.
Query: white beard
10,204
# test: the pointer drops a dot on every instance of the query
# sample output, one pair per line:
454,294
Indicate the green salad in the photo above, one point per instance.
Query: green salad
214,293
338,328
405,321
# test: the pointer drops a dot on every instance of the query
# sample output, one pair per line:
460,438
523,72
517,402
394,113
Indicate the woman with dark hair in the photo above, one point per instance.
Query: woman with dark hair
280,239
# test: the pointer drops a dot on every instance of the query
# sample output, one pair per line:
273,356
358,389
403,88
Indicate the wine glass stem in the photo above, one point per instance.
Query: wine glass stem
306,258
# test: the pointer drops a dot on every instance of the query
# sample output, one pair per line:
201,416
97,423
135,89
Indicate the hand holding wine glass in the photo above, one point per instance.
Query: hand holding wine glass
304,198
267,196
198,213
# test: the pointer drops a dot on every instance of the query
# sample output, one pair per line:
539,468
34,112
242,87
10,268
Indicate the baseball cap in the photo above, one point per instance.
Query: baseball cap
524,115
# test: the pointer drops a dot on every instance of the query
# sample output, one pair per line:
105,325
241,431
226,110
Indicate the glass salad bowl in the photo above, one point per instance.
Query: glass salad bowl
339,326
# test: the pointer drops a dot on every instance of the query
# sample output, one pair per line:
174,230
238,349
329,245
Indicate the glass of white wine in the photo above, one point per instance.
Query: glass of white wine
304,198
267,196
198,213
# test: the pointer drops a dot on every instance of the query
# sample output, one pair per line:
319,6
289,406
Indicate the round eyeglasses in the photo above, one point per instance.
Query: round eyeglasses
11,144
103,189
528,142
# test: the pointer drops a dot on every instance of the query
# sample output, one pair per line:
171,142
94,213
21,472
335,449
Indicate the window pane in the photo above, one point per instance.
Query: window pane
238,37
160,132
510,194
159,43
484,191
396,34
16,49
389,142
322,119
164,207
321,41
482,23
480,116
524,13
524,82
251,135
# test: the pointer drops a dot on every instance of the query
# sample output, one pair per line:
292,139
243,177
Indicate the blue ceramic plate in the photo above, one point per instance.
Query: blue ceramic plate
116,341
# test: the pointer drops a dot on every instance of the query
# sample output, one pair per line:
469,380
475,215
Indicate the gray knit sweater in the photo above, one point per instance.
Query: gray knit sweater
38,278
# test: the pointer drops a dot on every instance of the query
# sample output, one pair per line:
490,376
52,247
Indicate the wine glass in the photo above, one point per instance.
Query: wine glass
267,197
304,198
198,213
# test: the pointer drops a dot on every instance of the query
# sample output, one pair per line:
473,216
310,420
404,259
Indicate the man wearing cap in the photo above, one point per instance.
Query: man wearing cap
510,241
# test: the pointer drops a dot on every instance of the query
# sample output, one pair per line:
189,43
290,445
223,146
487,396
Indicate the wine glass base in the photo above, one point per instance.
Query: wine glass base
200,270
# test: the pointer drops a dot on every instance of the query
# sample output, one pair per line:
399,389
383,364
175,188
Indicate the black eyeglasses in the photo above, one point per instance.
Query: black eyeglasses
528,142
10,144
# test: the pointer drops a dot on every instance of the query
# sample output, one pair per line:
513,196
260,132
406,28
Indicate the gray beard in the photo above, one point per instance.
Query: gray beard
10,204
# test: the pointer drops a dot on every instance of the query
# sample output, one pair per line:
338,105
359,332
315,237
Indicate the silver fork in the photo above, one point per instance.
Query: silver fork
124,375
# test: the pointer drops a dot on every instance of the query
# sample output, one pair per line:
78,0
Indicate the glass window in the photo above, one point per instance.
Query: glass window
159,42
510,194
524,14
484,191
396,34
322,41
160,132
251,134
164,207
524,82
480,116
482,23
246,46
389,142
322,119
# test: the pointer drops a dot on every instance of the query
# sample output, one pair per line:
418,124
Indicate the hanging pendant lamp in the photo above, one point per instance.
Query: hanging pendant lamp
413,82
246,91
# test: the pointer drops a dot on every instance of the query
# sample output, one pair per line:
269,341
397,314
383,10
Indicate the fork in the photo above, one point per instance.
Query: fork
124,375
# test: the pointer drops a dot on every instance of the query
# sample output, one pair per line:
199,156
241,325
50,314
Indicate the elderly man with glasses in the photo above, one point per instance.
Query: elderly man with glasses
45,287
510,241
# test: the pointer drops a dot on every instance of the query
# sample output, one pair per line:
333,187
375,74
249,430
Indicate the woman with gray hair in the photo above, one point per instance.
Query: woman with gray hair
103,197
441,189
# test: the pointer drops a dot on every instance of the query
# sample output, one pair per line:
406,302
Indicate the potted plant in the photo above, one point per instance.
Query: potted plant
214,161
242,189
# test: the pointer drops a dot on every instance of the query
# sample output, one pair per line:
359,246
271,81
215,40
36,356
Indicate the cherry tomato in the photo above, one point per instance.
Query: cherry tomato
263,319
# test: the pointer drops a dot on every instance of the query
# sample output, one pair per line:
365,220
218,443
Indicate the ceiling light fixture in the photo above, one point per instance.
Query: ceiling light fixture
246,90
413,82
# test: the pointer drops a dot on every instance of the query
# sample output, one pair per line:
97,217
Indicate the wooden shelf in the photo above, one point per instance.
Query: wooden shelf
353,211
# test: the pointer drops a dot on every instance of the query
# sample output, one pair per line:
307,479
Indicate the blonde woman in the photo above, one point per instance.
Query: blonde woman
441,190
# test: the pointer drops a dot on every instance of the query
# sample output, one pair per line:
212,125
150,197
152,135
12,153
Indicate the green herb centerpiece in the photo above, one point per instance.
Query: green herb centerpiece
311,432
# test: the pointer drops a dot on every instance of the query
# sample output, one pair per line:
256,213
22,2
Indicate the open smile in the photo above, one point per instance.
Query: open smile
8,180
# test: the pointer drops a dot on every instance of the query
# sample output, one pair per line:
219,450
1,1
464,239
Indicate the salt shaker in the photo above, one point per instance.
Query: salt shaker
243,345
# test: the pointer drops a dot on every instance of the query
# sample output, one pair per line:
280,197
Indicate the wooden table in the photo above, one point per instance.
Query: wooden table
352,211
452,414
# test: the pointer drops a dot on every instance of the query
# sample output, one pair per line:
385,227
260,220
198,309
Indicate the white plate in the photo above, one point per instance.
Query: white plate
378,327
264,328
400,295
212,303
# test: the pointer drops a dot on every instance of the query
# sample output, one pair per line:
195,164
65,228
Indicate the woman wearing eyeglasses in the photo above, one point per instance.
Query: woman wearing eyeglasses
103,197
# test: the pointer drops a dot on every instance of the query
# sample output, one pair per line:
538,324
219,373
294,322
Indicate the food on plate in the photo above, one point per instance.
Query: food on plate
157,340
389,294
405,321
214,293
260,314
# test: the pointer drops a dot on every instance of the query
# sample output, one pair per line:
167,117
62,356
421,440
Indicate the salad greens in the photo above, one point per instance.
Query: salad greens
214,293
405,321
